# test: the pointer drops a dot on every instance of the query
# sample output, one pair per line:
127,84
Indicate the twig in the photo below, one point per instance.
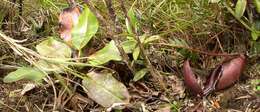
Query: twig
155,74
115,37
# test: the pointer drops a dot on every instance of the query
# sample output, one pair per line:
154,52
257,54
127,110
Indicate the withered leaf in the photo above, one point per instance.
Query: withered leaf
104,89
67,19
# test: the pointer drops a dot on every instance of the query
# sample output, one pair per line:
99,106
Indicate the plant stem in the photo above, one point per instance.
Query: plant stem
116,38
62,82
96,13
105,23
154,73
79,53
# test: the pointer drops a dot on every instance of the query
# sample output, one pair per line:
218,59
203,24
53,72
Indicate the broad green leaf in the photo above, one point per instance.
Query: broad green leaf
128,27
151,39
140,74
54,49
136,53
240,8
85,29
106,54
133,19
24,73
129,45
257,5
104,89
50,67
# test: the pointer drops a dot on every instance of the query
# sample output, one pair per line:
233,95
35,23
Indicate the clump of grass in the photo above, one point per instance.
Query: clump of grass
169,16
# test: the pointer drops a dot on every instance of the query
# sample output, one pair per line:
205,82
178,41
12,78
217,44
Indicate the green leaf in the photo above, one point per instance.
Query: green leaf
133,19
85,29
130,38
106,54
54,49
257,5
50,67
254,35
129,45
136,53
151,39
140,74
258,88
24,73
104,89
240,8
